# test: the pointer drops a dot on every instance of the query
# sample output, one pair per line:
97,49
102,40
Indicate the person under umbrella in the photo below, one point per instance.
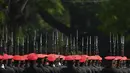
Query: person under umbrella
77,62
2,70
117,64
124,69
32,57
26,61
70,65
10,60
17,59
109,65
82,64
40,61
52,67
5,62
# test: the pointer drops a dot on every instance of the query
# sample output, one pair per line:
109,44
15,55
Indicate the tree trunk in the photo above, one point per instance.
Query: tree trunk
54,23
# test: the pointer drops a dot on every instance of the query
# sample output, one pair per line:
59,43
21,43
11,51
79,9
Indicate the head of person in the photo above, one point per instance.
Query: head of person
5,59
51,59
109,61
69,60
32,58
82,60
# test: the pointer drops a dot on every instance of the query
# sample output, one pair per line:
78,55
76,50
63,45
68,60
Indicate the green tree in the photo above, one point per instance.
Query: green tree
115,16
66,15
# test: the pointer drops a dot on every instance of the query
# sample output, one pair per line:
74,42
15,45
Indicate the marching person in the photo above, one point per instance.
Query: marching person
17,59
8,69
109,68
2,70
40,65
70,65
51,59
32,57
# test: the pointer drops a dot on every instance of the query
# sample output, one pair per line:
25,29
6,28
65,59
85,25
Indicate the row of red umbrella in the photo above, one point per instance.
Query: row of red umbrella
116,58
53,57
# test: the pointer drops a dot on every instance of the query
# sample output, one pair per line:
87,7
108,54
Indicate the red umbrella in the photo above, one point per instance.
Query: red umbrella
32,56
124,58
1,57
83,59
25,56
41,55
69,58
118,58
110,57
5,57
22,58
17,57
77,57
51,58
10,56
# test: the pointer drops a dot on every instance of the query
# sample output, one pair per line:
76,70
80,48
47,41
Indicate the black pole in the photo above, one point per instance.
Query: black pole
87,44
53,42
46,43
82,45
110,51
34,41
90,46
28,43
1,42
57,42
122,43
96,43
74,49
17,48
23,42
37,49
40,51
114,44
1,46
2,49
67,44
117,42
12,43
77,41
6,40
62,41
71,44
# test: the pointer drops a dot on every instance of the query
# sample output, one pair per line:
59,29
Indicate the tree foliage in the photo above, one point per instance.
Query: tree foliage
42,14
115,16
